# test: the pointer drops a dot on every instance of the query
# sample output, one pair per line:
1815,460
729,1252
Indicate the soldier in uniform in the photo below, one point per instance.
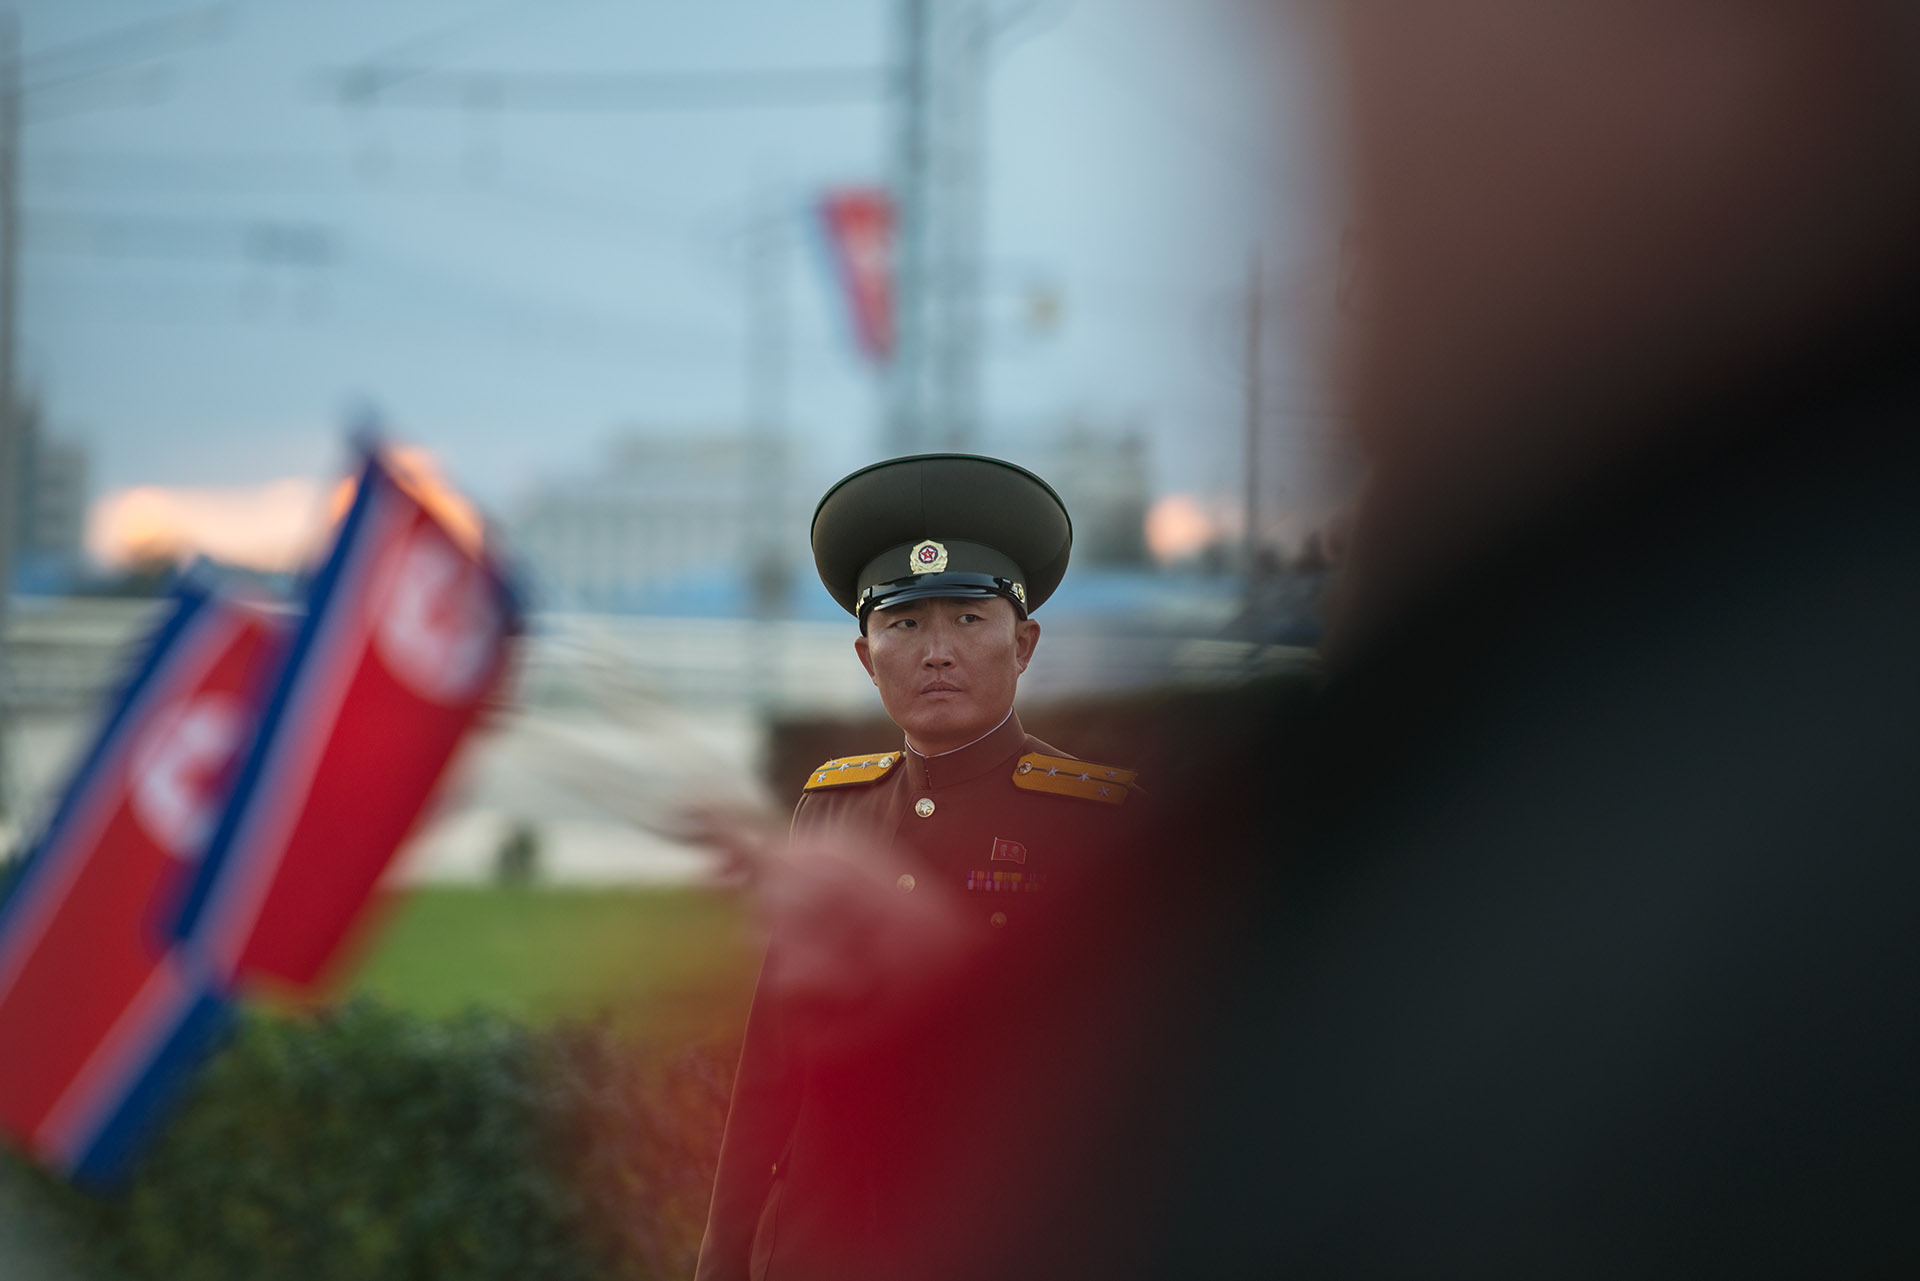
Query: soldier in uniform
975,830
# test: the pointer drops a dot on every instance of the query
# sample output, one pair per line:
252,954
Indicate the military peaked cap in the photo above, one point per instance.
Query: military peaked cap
940,525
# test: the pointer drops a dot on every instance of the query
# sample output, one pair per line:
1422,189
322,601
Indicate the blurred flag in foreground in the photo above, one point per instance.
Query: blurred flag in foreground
101,1012
404,645
230,823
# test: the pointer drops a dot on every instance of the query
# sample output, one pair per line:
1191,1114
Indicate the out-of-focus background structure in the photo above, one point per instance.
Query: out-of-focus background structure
643,281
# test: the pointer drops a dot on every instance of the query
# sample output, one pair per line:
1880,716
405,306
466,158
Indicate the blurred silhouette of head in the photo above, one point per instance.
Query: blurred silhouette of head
1575,215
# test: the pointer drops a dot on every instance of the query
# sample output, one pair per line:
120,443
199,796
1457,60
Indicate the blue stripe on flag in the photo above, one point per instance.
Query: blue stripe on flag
191,592
108,1159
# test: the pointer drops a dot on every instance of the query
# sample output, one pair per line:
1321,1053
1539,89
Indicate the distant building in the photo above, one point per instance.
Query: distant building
1101,475
672,523
50,506
710,524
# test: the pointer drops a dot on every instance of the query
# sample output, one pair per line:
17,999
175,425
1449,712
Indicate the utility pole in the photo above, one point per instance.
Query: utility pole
768,362
963,206
933,392
1251,427
907,407
9,408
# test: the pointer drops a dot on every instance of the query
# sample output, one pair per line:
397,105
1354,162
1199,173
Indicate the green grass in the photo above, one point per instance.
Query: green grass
671,963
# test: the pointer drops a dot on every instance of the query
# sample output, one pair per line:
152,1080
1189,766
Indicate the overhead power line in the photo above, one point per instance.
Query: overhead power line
136,42
295,244
106,71
398,86
413,51
97,91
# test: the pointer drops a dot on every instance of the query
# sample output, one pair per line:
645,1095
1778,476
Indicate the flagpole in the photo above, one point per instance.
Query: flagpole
9,416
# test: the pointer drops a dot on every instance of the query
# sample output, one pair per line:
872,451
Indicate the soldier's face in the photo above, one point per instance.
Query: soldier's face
946,668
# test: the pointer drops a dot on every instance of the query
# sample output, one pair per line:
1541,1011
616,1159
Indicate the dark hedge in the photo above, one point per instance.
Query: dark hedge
362,1143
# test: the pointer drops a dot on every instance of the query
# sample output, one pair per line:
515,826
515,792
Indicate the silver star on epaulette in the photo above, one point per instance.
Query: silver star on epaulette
1113,773
1086,778
823,778
1053,771
1106,791
845,766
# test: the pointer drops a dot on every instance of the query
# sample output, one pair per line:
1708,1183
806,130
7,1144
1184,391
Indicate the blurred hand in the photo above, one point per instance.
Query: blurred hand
741,839
846,942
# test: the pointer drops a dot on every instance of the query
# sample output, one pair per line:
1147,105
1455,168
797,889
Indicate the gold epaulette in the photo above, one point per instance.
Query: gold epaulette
1064,776
848,770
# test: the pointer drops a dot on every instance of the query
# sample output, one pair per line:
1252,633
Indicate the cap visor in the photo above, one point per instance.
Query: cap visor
934,591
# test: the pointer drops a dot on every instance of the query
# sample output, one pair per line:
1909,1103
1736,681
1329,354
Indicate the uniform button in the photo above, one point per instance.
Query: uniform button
998,919
1026,767
924,807
905,883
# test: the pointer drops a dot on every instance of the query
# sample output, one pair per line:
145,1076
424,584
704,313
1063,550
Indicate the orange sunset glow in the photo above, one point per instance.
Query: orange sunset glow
1179,526
278,525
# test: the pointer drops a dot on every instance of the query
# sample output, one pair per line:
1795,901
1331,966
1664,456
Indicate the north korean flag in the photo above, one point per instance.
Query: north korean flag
859,224
404,647
102,1013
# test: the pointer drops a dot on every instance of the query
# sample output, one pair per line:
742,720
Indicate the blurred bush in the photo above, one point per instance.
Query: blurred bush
364,1143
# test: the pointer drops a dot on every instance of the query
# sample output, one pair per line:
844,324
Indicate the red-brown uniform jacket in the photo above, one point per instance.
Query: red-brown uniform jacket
816,1146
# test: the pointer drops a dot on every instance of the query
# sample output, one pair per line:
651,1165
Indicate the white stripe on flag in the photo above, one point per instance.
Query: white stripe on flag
280,791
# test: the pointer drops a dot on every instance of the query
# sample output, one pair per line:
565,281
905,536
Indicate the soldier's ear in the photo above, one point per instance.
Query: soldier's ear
1026,636
861,648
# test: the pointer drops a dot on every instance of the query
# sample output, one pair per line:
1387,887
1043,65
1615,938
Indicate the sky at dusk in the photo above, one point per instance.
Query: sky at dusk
221,260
